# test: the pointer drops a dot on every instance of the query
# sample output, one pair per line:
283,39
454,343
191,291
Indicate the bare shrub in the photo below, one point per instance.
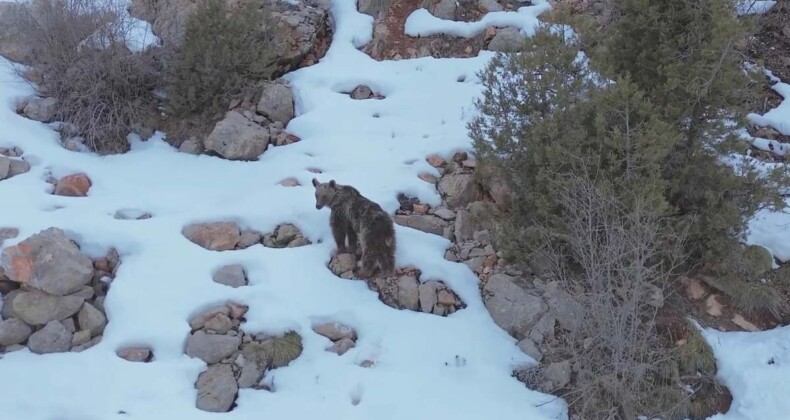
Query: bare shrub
617,259
80,57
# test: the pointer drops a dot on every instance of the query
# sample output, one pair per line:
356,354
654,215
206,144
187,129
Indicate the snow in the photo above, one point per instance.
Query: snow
755,367
427,367
422,23
754,7
779,117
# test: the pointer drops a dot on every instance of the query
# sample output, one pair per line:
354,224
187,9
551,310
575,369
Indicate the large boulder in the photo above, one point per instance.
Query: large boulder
511,306
237,138
459,189
217,389
277,102
48,261
38,308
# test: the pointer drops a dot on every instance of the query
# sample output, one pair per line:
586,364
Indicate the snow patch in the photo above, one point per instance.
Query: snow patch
422,23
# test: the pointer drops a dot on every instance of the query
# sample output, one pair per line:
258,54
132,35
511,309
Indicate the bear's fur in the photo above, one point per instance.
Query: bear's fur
362,221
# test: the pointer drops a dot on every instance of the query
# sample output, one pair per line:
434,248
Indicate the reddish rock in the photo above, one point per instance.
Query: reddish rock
76,185
219,236
446,298
135,354
436,161
237,310
420,208
428,178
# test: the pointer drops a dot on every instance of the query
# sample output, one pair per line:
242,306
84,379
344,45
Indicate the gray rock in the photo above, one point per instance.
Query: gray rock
277,102
361,92
70,325
507,40
132,214
7,310
5,167
211,348
559,373
237,138
86,293
408,293
371,7
80,337
199,321
135,354
41,109
565,309
191,146
249,238
422,222
48,261
342,346
218,236
335,331
445,9
444,214
39,308
91,319
231,275
446,298
18,167
530,349
428,298
13,331
477,216
53,338
543,329
251,373
489,6
217,389
82,347
286,235
219,323
459,189
513,308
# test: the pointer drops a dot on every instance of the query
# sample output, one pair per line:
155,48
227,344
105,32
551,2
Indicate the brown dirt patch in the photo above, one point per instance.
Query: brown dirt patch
772,43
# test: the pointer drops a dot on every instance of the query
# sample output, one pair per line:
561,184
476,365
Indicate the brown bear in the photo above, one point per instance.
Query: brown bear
360,220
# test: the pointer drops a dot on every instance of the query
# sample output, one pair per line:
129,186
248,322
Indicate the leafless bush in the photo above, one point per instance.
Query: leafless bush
80,56
617,258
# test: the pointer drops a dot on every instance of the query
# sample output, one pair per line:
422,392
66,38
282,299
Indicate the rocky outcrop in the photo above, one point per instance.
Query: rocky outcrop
235,359
53,294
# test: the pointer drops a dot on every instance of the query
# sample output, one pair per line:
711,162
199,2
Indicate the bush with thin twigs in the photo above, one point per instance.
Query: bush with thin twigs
80,56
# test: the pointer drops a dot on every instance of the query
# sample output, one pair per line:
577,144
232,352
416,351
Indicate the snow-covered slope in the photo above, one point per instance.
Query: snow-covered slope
427,367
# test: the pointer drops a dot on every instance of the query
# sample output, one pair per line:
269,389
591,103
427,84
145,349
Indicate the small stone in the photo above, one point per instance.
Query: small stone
70,325
335,331
420,208
91,319
132,214
277,102
342,346
436,161
713,307
559,373
488,6
219,323
408,292
217,389
199,321
231,275
211,348
13,331
445,214
136,354
191,146
41,109
237,310
80,337
251,373
428,178
507,40
53,338
445,9
76,185
446,298
361,92
422,222
530,349
85,293
290,182
743,323
428,298
18,167
342,263
94,341
5,167
249,238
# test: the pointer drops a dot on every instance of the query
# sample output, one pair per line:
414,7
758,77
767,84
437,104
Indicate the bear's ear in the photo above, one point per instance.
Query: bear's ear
332,184
315,182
